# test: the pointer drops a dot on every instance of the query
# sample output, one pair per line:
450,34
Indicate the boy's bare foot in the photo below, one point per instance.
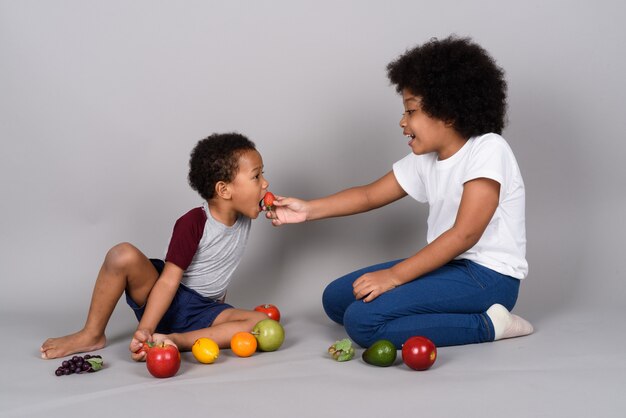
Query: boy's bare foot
78,342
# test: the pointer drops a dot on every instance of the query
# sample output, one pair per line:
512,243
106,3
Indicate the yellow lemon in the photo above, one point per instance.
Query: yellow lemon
205,350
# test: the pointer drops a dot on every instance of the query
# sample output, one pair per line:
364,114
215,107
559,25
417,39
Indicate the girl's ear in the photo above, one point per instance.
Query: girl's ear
222,190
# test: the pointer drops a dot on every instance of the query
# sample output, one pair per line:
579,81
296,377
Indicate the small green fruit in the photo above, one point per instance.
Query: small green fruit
342,350
382,353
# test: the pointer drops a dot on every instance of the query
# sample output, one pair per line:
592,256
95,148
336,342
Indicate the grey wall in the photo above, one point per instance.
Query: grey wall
101,103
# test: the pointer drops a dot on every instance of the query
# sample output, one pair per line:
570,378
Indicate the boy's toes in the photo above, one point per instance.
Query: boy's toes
44,349
47,353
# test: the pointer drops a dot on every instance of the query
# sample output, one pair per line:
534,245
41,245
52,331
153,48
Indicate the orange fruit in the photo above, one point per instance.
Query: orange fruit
205,350
243,344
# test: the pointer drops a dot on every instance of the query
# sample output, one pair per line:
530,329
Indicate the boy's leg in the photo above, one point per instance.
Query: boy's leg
447,305
124,268
338,294
226,324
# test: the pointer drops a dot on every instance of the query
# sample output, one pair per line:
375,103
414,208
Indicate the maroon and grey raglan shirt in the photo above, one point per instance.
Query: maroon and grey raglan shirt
207,250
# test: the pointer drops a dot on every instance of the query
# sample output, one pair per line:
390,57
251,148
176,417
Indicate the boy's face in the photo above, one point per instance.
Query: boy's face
249,185
427,134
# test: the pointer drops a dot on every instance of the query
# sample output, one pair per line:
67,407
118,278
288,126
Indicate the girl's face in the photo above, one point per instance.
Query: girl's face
427,134
249,185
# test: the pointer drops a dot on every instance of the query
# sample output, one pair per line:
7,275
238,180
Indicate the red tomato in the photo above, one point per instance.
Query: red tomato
163,360
419,353
270,310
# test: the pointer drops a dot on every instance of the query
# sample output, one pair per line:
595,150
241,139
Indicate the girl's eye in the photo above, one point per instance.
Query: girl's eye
409,112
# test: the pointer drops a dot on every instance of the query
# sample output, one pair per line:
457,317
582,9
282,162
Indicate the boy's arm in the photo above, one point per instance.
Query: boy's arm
479,202
159,300
347,202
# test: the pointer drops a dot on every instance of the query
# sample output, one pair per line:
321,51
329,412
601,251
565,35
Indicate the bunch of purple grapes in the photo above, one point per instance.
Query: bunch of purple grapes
80,364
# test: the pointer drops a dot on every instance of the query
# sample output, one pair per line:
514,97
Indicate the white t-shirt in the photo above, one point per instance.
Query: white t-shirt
502,246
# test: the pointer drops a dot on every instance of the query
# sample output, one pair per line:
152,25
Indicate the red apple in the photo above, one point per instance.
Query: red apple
271,311
163,360
419,353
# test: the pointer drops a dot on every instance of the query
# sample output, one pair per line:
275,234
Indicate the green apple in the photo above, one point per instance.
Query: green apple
269,334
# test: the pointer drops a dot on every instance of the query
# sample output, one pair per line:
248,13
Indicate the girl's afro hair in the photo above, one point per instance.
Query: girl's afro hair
457,81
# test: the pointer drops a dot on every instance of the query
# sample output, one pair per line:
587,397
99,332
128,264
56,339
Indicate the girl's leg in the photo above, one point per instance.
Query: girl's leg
447,305
124,268
226,324
338,294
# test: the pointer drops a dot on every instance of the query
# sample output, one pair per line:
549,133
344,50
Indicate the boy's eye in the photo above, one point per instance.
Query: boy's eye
408,112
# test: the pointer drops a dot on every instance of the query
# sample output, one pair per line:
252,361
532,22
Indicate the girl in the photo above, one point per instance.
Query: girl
460,287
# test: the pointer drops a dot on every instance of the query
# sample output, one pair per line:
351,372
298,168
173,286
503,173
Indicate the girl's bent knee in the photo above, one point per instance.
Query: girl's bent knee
332,304
362,328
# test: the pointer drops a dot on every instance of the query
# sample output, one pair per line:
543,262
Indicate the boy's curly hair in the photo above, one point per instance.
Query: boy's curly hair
215,159
458,82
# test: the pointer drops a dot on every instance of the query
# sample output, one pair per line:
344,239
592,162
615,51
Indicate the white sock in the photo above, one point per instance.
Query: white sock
506,324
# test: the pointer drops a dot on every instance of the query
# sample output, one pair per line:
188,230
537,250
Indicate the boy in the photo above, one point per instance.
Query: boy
181,299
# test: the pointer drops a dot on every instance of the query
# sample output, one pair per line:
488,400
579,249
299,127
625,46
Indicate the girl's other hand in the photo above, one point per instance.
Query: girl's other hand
288,210
371,285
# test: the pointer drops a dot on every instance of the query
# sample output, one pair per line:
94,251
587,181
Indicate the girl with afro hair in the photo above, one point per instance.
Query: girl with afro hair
460,287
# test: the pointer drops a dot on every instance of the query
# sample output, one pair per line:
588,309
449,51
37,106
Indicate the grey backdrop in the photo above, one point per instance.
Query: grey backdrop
101,103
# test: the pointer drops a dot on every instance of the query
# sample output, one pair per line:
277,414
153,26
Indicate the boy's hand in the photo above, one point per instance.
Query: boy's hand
288,210
371,285
141,337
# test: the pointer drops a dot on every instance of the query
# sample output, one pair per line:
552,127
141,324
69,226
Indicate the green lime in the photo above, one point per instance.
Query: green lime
382,353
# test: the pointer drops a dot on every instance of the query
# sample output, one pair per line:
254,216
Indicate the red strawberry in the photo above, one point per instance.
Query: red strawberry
268,200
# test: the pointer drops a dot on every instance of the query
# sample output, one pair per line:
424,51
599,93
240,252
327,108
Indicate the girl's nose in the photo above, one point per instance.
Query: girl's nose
403,121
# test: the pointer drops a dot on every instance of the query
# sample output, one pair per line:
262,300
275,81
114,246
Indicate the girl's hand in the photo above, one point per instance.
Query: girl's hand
371,285
136,347
288,210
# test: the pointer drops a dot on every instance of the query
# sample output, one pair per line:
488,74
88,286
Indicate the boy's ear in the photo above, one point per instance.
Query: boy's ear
222,190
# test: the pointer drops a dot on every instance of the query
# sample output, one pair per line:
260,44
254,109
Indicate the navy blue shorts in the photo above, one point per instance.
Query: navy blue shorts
189,311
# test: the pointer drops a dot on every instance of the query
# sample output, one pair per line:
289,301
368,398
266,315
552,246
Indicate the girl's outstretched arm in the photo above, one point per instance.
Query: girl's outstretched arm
359,199
478,204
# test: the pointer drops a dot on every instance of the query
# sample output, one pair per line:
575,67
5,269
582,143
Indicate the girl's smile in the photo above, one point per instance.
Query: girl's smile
426,133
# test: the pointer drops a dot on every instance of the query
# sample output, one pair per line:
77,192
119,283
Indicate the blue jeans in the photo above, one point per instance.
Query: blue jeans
446,305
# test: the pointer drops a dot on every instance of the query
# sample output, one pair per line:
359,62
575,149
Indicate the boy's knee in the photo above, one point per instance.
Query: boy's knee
121,255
